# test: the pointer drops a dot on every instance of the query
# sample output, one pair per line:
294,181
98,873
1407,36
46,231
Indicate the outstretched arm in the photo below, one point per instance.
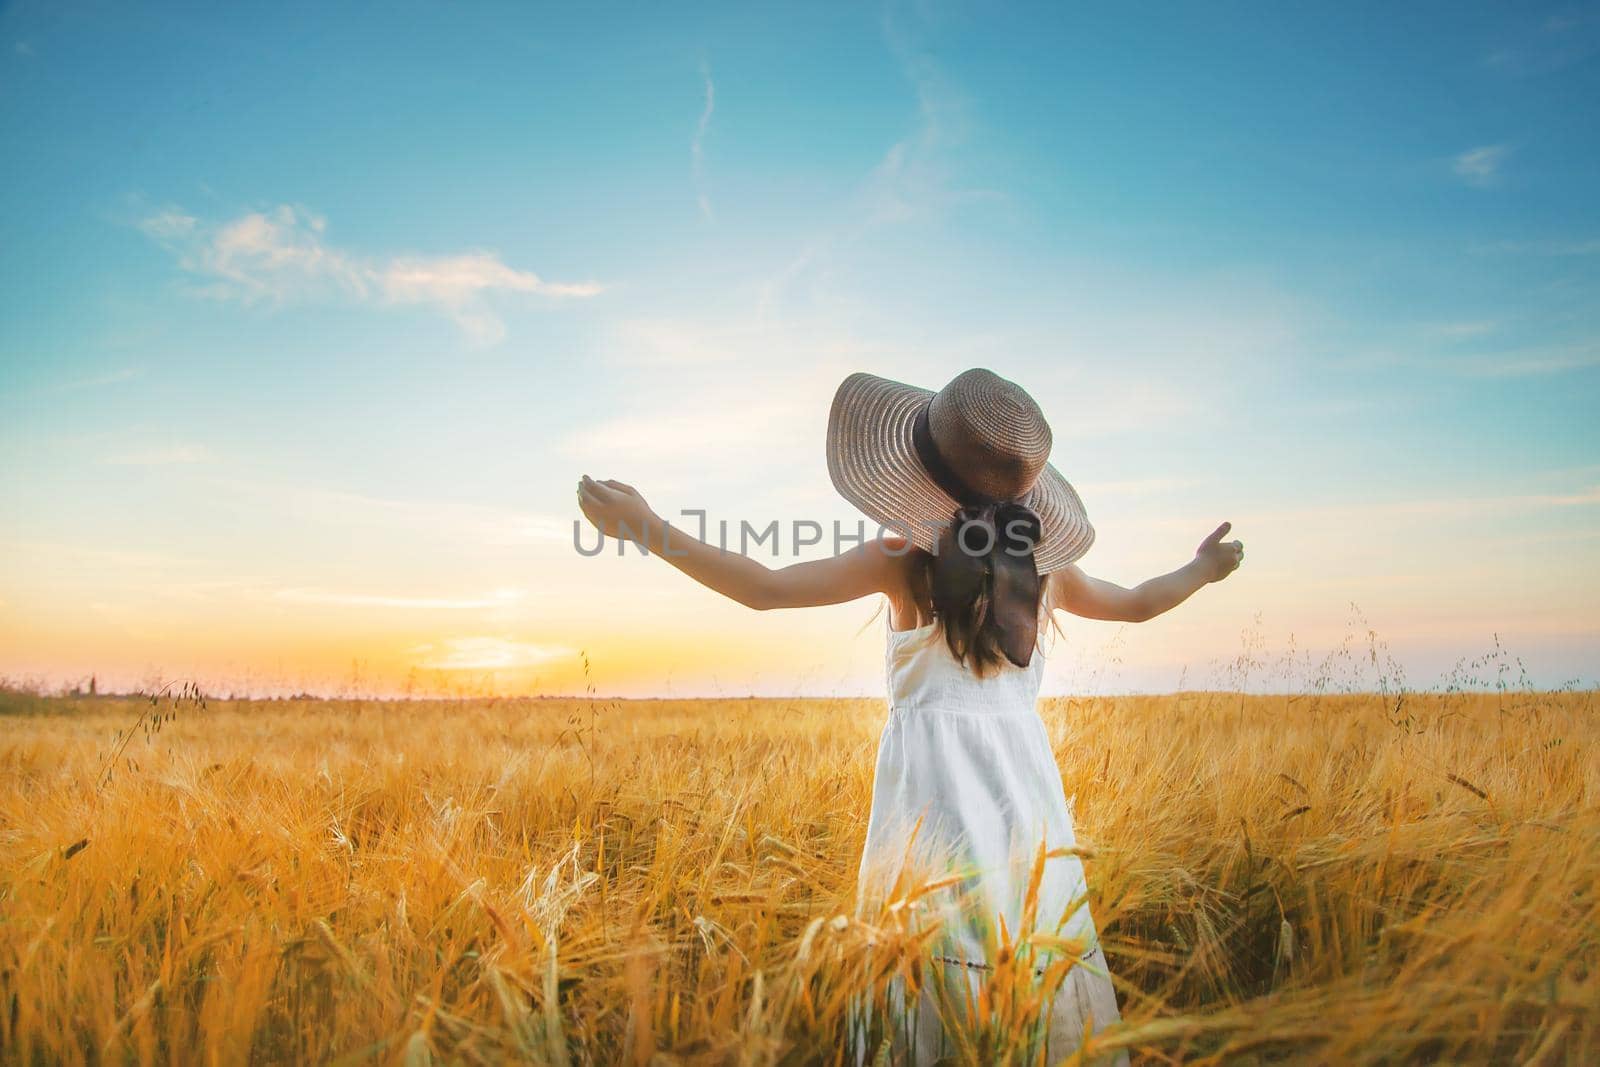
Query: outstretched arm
1094,598
618,510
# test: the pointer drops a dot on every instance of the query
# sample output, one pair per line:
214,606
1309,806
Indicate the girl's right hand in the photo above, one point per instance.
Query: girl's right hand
1219,558
615,508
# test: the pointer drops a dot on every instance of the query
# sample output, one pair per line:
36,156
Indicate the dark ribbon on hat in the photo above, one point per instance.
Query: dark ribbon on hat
986,548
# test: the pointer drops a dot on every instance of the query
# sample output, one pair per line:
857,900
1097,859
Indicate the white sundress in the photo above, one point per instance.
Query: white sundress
970,758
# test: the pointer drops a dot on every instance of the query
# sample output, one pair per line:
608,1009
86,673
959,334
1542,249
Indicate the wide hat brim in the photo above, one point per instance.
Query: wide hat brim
873,463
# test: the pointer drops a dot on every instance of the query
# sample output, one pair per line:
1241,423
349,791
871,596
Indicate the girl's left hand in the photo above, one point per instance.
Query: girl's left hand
1220,558
615,508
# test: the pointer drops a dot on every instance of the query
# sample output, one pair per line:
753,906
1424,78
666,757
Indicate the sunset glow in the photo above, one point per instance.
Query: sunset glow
301,353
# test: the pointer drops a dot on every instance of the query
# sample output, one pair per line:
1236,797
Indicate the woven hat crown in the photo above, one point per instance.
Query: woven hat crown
990,433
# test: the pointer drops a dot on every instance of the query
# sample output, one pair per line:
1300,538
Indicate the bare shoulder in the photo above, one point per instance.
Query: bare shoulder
878,566
898,576
892,555
1051,586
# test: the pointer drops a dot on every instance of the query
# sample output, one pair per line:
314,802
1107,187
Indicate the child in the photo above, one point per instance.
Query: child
988,533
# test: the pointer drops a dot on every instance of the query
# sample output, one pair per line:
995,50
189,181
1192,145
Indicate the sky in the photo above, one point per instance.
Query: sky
311,317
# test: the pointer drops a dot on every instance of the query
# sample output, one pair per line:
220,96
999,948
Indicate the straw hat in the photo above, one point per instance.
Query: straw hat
909,458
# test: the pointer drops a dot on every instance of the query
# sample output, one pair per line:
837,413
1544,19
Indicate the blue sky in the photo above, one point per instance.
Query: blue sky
310,319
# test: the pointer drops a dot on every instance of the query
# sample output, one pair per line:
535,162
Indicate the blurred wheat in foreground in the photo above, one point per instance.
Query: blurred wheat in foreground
1311,879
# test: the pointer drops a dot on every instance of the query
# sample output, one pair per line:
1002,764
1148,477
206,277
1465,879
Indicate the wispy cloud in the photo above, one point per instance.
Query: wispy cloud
676,400
1459,507
1480,167
747,430
1527,362
160,456
283,255
915,176
59,557
1132,487
673,342
451,520
486,654
1589,247
1463,330
697,148
1349,514
168,224
1553,43
100,380
497,599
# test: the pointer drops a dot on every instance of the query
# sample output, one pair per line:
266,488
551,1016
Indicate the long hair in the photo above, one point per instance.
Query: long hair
964,620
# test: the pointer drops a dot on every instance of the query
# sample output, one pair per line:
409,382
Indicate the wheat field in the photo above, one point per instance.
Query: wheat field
1337,877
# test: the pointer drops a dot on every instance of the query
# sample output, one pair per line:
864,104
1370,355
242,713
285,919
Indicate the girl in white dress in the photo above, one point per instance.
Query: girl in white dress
978,542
